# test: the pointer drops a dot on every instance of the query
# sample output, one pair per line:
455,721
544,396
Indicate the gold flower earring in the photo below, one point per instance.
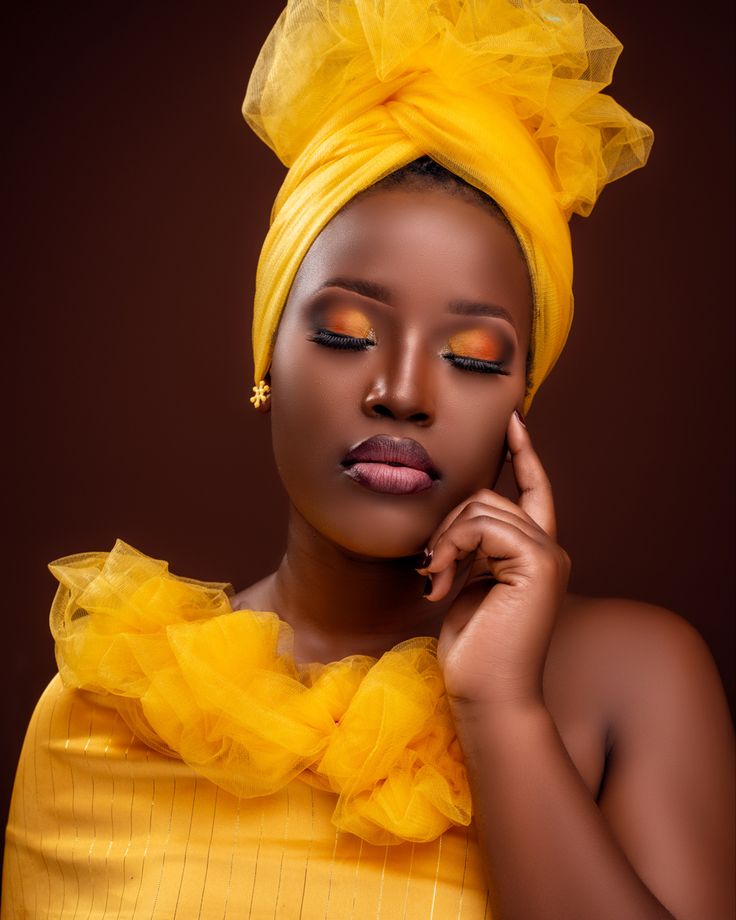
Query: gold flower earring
262,392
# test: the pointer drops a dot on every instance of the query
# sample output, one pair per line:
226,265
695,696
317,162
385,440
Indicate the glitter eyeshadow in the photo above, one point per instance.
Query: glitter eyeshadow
344,320
477,343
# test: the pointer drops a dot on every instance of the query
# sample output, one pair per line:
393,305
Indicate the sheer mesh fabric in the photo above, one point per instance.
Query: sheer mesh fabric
221,690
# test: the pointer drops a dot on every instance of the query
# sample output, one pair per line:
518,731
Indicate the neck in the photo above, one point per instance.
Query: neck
339,603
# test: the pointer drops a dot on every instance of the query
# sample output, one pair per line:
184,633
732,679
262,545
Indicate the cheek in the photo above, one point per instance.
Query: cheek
309,393
312,414
475,432
486,454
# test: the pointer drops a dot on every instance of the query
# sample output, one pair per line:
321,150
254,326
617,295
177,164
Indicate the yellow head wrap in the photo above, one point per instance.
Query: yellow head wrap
505,94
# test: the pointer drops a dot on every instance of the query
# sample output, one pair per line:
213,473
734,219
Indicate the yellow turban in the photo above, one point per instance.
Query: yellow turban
506,94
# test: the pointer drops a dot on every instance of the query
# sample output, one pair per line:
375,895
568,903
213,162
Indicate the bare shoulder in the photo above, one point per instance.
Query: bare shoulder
617,625
606,617
625,651
625,641
667,791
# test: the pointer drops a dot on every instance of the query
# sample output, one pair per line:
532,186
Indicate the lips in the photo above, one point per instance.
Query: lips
398,466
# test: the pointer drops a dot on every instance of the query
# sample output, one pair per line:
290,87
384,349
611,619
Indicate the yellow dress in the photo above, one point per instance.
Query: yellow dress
106,824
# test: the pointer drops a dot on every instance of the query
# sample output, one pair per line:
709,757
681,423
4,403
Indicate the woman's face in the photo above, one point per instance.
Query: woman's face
410,319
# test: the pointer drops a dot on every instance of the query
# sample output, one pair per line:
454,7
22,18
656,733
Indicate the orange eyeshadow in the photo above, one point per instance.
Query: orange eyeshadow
477,343
347,321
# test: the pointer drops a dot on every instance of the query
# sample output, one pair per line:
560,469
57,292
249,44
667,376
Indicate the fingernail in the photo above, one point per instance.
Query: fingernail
426,559
427,586
520,417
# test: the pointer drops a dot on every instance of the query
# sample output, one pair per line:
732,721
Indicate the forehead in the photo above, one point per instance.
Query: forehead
428,247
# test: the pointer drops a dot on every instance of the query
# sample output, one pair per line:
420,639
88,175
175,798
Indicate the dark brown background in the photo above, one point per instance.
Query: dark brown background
137,201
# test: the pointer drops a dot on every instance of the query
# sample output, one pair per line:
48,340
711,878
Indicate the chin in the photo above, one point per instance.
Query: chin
357,545
386,530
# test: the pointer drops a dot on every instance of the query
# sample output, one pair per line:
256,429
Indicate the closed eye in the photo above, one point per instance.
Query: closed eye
335,340
330,339
475,364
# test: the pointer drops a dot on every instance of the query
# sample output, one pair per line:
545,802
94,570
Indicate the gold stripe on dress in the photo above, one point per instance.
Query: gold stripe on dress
144,856
436,878
208,860
380,887
232,858
408,881
465,869
309,853
255,865
283,856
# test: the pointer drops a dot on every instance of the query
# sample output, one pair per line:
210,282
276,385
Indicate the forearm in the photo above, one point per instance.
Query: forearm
548,850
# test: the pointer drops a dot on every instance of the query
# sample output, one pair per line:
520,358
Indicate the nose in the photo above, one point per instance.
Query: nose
401,387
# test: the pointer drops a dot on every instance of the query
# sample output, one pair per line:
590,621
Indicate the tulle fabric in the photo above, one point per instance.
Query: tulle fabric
504,93
221,690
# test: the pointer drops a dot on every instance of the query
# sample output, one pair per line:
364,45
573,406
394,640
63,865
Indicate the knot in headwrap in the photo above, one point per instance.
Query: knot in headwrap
506,94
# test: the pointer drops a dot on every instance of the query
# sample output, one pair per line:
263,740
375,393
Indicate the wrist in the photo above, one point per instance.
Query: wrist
496,710
499,728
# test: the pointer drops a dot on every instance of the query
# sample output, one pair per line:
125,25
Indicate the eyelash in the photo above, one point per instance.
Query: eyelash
333,340
351,343
474,364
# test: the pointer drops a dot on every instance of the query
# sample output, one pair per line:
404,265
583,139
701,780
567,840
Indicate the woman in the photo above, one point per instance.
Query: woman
404,319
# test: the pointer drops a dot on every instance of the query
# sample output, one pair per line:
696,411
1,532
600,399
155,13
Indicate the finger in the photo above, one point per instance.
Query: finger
477,509
535,490
484,501
442,576
497,539
441,583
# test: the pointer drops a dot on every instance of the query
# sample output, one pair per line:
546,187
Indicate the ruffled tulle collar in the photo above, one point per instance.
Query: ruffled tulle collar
221,690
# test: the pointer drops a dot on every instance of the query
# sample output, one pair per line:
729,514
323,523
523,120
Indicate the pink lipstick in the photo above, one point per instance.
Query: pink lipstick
397,466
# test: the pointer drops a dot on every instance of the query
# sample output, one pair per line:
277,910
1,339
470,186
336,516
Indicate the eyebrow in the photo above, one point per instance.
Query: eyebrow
478,308
360,286
379,292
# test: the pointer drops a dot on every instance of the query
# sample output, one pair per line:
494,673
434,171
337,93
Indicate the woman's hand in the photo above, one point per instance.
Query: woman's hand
493,652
